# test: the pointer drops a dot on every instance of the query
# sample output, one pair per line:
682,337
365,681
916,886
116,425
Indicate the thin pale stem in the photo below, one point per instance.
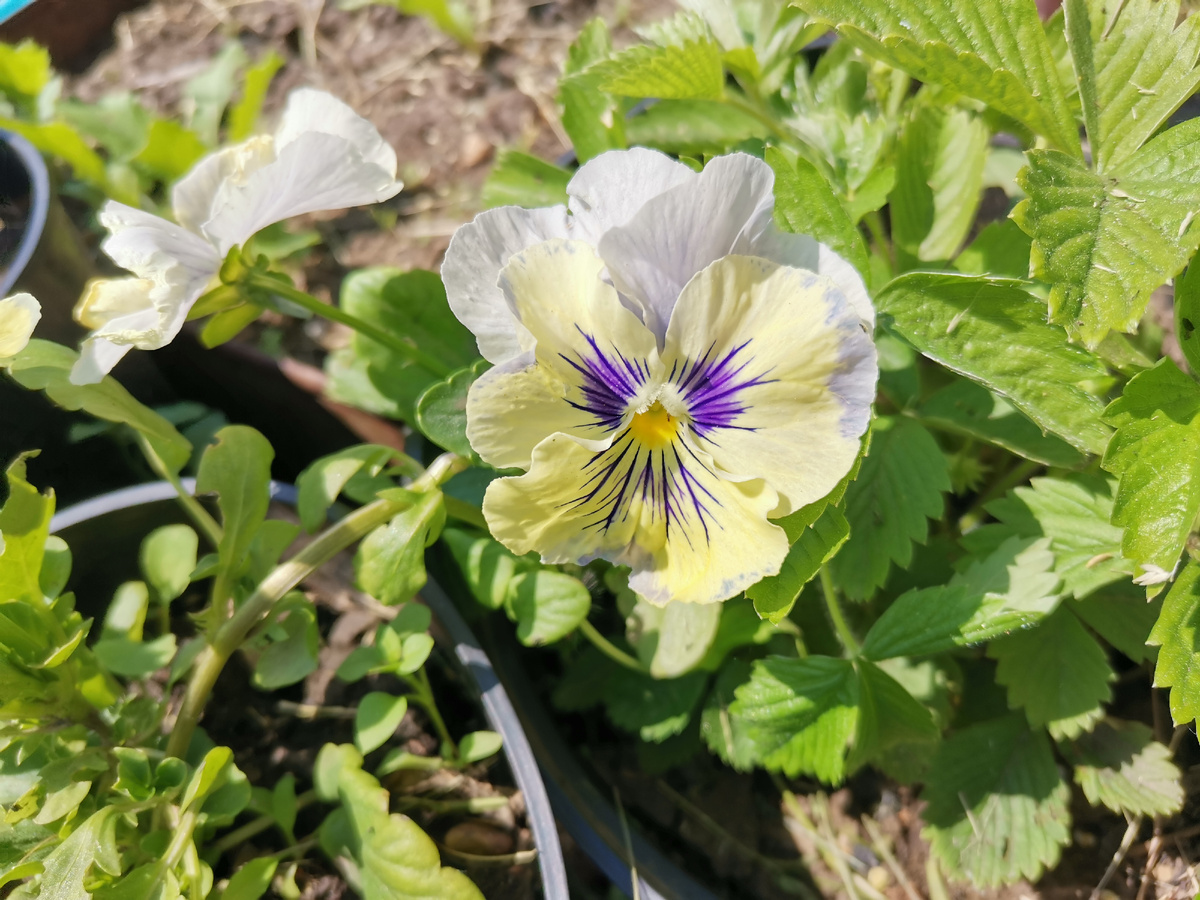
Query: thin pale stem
601,643
405,348
239,836
199,515
832,604
419,681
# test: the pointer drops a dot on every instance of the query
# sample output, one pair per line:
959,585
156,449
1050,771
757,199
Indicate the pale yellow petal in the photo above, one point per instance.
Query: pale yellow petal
105,299
19,315
776,372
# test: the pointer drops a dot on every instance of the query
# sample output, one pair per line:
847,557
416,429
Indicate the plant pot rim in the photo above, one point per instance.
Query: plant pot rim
39,206
497,707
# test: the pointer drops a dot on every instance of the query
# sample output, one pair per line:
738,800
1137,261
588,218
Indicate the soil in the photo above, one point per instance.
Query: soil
446,109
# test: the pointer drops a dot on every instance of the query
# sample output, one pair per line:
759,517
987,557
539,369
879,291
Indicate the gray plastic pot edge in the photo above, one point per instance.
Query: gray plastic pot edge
497,707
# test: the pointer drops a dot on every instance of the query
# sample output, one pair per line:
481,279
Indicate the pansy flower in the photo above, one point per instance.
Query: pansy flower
322,156
19,315
671,372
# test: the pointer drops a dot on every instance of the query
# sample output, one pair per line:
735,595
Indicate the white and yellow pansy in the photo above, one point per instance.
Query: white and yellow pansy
323,156
19,315
670,381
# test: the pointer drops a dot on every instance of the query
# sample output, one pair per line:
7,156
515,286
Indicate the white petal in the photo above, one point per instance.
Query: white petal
309,110
97,357
679,232
19,315
609,189
193,195
153,248
314,171
471,272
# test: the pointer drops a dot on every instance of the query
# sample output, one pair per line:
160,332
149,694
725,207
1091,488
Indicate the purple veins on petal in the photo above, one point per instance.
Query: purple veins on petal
712,388
610,382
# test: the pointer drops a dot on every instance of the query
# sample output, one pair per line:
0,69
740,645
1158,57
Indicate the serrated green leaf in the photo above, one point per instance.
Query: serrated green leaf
167,558
888,717
775,596
1012,588
655,708
939,181
546,605
1177,635
1105,242
1057,673
898,489
806,204
998,808
691,71
1119,765
1187,313
800,714
237,468
1000,249
45,366
960,321
442,409
721,732
1122,617
376,720
590,117
518,179
321,482
1156,453
118,121
390,562
693,127
24,528
992,50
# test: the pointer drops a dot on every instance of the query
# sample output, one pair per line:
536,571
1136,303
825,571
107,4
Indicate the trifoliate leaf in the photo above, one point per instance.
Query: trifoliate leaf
992,50
998,808
1074,513
806,204
1056,672
899,487
1177,635
691,71
1106,241
1010,589
964,322
655,708
1156,453
1121,766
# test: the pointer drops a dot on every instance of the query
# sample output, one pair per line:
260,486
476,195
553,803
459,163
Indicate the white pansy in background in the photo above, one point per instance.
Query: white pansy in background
672,372
19,315
323,156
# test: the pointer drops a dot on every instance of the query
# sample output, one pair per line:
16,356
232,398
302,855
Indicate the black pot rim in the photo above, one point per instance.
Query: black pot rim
39,207
497,707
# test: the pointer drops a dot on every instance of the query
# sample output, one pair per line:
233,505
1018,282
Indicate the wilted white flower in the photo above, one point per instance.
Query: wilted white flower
1152,574
672,371
322,156
19,315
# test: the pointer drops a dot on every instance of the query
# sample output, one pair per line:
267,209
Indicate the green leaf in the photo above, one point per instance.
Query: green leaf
1187,313
56,565
1057,673
24,528
486,564
1177,635
118,121
691,71
211,90
1119,765
252,880
237,468
939,181
44,366
131,658
806,204
1078,33
971,409
411,305
479,745
590,117
722,733
58,139
546,605
1123,618
1010,589
1075,513
68,866
167,559
900,485
292,654
655,708
800,714
673,639
319,485
1105,242
960,320
1000,249
442,409
378,716
889,717
243,116
1156,453
171,150
395,859
390,563
518,179
691,127
24,68
998,808
992,50
775,596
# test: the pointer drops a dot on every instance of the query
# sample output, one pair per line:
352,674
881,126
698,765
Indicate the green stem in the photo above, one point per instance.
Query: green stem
239,836
1018,474
588,630
205,522
849,641
405,348
882,244
419,681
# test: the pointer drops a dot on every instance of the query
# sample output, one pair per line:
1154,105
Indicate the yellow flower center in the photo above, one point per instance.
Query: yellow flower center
655,428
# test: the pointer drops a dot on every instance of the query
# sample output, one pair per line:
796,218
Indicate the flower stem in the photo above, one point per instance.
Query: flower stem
588,630
849,641
423,694
405,348
199,515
